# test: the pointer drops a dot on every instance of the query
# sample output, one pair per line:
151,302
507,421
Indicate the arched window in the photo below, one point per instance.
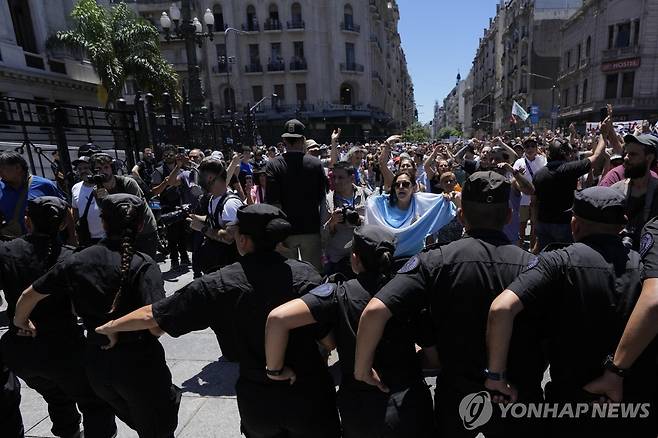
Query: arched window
273,22
219,17
349,16
588,46
346,94
296,16
229,100
585,90
252,19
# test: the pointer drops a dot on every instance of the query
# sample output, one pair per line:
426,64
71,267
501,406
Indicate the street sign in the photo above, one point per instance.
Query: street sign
534,114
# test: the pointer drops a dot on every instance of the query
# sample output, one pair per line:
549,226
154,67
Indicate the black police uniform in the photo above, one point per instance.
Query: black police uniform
132,377
584,295
11,421
457,283
406,411
235,302
52,362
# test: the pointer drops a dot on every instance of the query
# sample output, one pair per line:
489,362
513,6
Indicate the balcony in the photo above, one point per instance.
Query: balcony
221,68
296,25
276,66
251,27
375,41
351,67
254,67
620,52
350,27
272,25
298,65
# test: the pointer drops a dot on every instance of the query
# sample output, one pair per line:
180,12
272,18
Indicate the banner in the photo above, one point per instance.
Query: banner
517,110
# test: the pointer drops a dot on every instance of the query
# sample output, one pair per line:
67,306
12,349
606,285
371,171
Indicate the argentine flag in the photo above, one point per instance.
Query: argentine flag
427,214
518,111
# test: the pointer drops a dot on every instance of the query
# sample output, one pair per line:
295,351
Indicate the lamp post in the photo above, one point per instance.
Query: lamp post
554,88
252,114
190,30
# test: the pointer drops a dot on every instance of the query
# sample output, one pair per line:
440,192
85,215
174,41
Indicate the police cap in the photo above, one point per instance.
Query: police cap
263,221
123,208
486,188
372,239
293,129
600,204
47,207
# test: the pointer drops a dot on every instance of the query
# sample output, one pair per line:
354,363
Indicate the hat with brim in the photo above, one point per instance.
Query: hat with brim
372,238
293,129
648,140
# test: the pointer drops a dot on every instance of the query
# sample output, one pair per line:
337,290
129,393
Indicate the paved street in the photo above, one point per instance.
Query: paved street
208,408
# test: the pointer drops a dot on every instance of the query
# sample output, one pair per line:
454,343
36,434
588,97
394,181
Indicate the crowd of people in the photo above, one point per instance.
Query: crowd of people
482,261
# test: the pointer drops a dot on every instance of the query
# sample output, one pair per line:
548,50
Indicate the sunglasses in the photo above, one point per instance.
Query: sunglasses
450,181
402,184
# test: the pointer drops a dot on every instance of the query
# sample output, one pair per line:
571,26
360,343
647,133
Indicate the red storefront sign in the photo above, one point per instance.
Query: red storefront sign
622,64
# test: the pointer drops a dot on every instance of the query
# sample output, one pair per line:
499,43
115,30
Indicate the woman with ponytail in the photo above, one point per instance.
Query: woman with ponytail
52,362
234,302
401,408
104,281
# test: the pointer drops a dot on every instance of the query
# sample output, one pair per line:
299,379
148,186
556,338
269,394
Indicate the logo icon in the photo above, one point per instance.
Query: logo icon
476,409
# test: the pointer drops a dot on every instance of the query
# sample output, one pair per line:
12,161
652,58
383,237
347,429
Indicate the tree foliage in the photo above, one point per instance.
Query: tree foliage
449,132
416,133
120,45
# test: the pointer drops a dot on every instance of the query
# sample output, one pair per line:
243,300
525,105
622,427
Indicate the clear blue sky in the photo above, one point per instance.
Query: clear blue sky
439,38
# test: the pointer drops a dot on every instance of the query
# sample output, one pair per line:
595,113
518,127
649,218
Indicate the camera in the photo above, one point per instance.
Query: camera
350,216
178,215
98,179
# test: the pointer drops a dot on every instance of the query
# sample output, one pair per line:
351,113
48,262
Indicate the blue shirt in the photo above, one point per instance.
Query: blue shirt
9,197
246,168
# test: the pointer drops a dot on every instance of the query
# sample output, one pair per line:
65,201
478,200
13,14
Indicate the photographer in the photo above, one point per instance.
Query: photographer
343,210
107,183
167,183
88,225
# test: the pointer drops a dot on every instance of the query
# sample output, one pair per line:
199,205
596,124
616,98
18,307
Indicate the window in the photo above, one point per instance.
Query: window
565,98
222,60
275,54
274,13
4,110
627,84
229,99
254,55
588,46
296,13
585,90
350,57
298,47
42,111
349,17
578,50
301,93
636,35
611,36
576,95
257,92
280,93
623,35
252,19
219,17
23,28
569,59
346,94
611,86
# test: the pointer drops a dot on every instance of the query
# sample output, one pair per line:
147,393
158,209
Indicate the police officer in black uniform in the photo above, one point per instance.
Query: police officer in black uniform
584,294
236,301
365,411
51,363
457,283
104,281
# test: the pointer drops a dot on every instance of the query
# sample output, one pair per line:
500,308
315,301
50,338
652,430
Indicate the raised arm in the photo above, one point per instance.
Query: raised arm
427,165
333,157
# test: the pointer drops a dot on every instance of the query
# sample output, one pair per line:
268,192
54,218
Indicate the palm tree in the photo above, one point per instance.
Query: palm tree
119,45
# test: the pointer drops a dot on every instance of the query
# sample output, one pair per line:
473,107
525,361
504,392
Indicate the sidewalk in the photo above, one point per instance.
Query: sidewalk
208,408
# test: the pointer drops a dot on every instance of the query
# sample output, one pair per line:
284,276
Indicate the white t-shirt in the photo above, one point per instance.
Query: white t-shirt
80,194
531,169
230,212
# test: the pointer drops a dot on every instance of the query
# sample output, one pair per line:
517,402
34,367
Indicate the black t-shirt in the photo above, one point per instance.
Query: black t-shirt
235,302
584,294
458,283
297,182
146,168
555,184
339,307
21,261
91,279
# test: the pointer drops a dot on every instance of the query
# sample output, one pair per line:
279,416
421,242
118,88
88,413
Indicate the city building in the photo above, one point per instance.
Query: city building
28,69
439,119
329,63
610,55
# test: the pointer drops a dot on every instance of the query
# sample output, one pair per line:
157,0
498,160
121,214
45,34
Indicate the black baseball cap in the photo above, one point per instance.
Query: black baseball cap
486,188
47,206
600,204
82,159
263,221
372,238
123,208
293,129
644,139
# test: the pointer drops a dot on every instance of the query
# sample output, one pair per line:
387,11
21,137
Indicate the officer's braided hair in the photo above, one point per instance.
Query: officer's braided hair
47,225
124,223
379,262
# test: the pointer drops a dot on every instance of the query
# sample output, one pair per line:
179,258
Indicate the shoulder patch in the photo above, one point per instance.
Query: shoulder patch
532,263
411,264
646,243
324,290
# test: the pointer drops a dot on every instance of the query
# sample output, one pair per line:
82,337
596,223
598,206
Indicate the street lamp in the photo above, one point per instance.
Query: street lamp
555,87
189,30
252,115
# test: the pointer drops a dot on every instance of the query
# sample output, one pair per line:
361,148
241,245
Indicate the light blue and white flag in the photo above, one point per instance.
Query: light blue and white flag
518,111
427,214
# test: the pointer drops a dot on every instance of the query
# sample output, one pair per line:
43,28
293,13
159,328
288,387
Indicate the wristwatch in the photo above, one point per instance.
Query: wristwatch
609,364
274,373
494,376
